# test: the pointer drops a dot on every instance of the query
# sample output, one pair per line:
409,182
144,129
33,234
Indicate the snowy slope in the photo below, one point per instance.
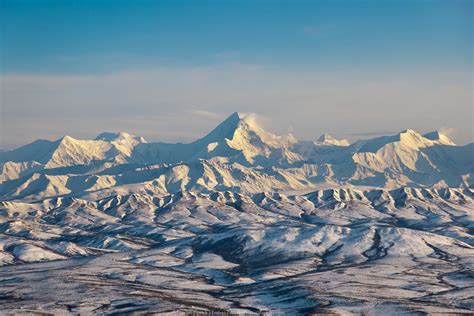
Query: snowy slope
230,252
238,221
237,155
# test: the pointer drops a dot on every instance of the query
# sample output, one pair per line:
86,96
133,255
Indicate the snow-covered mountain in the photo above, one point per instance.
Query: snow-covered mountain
240,221
328,140
237,155
332,251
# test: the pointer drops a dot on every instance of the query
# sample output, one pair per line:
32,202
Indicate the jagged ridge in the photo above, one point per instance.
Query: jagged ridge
238,155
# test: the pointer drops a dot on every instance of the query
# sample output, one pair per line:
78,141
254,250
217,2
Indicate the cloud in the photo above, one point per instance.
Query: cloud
448,131
182,104
206,114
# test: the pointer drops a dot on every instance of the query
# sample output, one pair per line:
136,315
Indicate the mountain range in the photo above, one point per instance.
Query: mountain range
238,155
239,221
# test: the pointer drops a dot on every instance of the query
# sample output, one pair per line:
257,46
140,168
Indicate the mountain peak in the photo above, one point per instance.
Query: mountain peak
239,150
241,136
237,115
66,139
408,138
416,140
326,139
409,134
236,121
249,118
112,136
241,115
438,136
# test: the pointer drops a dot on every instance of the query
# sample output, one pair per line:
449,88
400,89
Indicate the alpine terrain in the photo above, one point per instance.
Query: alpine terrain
239,221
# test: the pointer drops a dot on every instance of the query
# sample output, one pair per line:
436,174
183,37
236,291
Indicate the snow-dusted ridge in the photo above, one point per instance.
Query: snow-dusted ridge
237,155
239,221
330,250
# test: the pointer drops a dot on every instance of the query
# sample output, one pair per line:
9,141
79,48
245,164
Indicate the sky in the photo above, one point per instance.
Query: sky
172,70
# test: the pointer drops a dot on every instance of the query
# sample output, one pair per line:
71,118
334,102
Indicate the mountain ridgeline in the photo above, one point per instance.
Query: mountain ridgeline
239,156
239,221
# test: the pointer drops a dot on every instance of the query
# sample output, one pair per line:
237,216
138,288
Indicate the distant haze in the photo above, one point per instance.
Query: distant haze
184,104
171,71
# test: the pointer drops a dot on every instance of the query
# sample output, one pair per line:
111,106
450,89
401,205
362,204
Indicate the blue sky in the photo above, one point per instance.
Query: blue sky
302,41
96,36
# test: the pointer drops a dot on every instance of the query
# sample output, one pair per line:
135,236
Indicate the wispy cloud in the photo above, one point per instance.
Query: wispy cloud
207,114
449,131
